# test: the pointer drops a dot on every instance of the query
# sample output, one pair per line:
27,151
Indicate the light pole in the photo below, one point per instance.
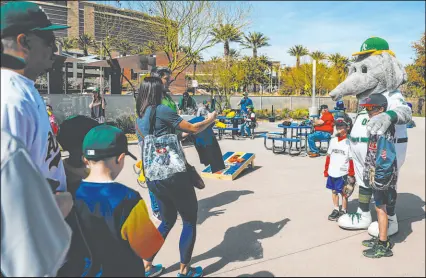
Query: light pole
313,110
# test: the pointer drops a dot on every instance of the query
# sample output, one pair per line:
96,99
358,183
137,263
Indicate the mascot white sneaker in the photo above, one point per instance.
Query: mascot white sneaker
375,71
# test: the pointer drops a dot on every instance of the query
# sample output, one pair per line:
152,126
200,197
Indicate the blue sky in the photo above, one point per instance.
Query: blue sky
334,26
331,26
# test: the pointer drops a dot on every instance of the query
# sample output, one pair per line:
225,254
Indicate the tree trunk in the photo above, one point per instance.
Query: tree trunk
297,61
226,48
255,52
195,69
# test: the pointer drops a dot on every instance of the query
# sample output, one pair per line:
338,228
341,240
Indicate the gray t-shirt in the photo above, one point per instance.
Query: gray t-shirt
166,121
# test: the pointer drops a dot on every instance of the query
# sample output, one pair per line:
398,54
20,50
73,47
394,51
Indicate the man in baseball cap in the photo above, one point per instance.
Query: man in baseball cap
27,33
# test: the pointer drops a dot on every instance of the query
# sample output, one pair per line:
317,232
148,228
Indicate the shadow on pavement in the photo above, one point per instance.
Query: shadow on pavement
258,274
240,243
205,206
409,209
248,171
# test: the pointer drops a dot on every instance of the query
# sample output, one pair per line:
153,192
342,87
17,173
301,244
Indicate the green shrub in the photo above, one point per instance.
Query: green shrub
262,114
299,114
126,122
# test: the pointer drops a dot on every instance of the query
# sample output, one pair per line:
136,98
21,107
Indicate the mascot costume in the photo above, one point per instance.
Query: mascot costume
375,71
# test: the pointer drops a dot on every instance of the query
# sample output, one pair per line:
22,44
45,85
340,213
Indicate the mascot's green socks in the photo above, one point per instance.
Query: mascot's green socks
375,71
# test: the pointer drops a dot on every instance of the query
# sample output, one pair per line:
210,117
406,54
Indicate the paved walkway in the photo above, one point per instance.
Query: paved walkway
272,221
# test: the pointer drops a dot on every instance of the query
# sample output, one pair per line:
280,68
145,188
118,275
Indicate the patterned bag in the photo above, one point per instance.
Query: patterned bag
162,156
380,171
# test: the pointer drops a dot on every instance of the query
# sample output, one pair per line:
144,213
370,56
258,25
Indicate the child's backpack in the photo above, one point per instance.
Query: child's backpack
380,171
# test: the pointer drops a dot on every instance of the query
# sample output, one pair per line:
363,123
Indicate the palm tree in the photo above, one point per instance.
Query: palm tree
255,41
234,54
85,41
124,46
338,61
68,43
194,57
318,56
225,33
298,51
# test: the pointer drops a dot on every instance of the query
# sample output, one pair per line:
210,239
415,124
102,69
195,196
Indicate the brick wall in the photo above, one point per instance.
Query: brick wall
178,87
89,20
73,19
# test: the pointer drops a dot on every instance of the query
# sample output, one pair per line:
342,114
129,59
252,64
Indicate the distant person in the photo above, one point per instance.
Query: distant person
411,124
324,128
249,119
52,119
23,111
97,106
420,106
187,104
244,102
203,110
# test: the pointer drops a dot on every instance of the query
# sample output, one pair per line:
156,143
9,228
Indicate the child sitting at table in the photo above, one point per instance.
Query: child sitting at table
249,120
339,167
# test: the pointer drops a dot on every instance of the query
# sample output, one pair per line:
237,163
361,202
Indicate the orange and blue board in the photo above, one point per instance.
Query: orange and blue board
235,163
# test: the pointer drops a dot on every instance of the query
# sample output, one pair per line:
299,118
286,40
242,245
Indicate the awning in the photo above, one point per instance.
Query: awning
137,62
67,59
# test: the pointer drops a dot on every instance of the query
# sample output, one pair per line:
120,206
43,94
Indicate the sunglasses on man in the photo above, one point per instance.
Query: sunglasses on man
372,108
48,37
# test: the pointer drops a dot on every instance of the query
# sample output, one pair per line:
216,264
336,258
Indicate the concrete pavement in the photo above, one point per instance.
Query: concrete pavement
272,221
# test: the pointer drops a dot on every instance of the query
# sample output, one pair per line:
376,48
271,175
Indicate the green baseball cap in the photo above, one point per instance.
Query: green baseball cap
105,141
371,45
19,17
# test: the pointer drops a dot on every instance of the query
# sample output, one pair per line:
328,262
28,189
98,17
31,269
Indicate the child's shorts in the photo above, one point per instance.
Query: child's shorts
385,197
337,184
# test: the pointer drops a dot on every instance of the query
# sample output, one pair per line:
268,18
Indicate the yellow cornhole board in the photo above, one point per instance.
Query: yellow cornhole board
235,163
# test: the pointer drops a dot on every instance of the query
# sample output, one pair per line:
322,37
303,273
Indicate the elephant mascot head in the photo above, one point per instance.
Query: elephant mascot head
375,71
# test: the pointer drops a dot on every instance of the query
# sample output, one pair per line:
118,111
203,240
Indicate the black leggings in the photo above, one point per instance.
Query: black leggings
177,194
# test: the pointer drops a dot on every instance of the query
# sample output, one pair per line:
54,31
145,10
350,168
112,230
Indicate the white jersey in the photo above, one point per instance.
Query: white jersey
24,115
34,235
340,155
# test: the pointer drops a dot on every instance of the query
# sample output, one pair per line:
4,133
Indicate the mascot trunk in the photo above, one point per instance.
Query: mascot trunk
375,71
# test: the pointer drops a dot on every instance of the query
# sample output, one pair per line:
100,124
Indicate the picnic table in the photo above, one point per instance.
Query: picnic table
235,121
288,139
